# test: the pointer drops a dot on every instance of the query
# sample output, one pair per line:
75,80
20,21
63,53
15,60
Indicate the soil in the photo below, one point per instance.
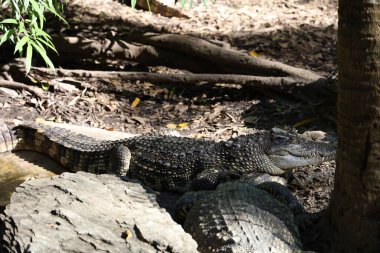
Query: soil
299,33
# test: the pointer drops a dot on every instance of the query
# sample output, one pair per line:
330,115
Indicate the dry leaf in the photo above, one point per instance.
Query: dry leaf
140,120
33,80
52,119
251,120
183,125
74,101
135,102
254,53
39,120
127,234
171,126
303,122
284,44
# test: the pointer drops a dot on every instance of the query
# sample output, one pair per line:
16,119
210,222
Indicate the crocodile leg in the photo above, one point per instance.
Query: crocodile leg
209,179
184,204
282,194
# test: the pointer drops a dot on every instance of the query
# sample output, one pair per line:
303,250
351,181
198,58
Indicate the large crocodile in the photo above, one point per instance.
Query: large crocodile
241,216
166,162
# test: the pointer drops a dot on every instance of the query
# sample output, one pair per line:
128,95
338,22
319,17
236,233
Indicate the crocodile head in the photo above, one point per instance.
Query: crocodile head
287,150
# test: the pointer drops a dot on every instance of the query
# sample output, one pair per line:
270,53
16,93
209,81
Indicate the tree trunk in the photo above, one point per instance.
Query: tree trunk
355,205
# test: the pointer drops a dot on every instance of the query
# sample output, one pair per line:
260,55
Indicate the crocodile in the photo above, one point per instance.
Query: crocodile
169,163
241,216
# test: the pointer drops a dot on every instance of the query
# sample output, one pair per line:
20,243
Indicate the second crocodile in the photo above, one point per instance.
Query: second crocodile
242,216
165,162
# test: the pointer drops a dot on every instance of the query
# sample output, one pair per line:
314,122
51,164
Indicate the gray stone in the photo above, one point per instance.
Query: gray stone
84,212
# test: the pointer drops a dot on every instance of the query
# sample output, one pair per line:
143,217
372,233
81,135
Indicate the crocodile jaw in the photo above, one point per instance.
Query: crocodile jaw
298,155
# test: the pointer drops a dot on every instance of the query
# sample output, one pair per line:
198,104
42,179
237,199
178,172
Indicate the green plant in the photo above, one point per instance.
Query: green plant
25,27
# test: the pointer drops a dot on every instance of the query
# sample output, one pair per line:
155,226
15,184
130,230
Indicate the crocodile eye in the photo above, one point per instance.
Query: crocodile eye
281,153
281,138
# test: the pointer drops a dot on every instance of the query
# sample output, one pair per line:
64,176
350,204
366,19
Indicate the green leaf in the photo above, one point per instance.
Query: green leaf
29,54
5,3
20,44
50,4
21,28
16,9
40,32
41,46
9,21
147,2
26,4
53,10
50,45
7,35
45,86
43,54
37,9
33,22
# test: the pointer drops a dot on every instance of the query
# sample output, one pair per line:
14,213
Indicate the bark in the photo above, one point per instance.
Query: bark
355,205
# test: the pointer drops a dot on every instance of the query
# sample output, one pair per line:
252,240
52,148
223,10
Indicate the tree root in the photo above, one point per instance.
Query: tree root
252,81
188,53
234,61
20,86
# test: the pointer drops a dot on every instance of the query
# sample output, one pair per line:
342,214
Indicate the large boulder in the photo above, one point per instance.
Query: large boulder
84,212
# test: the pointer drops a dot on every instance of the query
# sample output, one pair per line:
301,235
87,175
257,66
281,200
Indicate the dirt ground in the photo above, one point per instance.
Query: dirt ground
295,32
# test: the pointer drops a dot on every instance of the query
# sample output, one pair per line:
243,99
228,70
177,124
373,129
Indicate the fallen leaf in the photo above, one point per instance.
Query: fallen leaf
303,122
51,119
183,125
171,126
39,120
251,120
33,80
45,86
284,44
73,101
127,234
135,102
138,119
254,53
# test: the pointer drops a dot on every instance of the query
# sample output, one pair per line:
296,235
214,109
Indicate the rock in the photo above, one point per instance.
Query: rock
9,92
84,212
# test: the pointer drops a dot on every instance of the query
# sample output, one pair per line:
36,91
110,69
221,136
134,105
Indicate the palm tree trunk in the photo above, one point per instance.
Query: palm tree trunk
355,205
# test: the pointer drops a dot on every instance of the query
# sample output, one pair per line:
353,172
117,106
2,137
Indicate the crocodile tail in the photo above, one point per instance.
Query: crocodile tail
75,152
8,138
30,137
